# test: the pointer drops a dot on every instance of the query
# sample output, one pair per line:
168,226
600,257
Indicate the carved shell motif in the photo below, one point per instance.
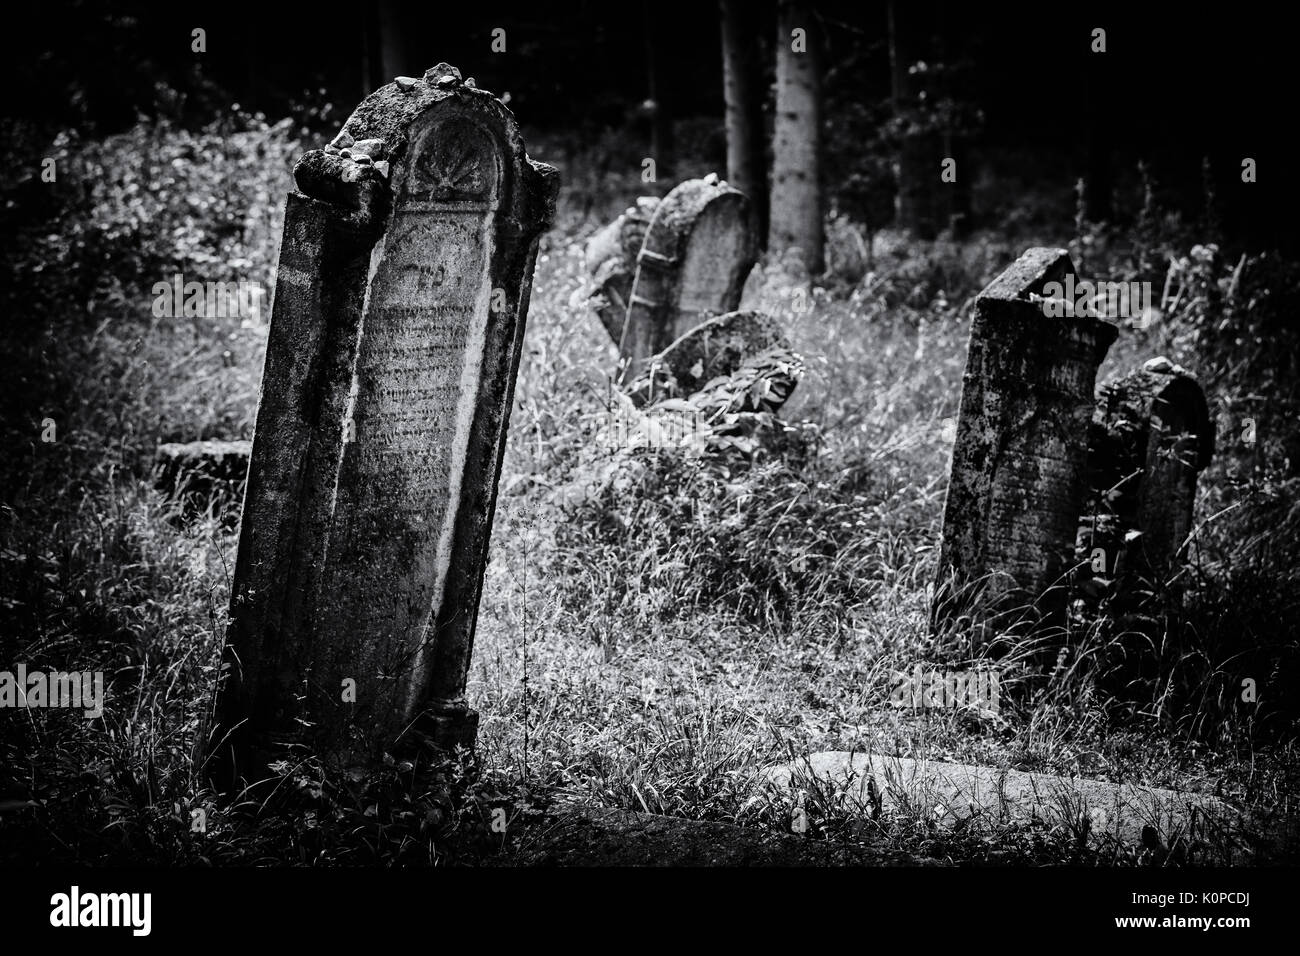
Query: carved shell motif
457,163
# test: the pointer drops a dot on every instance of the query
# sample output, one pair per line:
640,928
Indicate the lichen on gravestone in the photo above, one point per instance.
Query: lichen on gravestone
694,258
1018,475
398,318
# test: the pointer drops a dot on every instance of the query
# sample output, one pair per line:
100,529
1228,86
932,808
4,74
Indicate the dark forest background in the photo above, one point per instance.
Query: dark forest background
1175,87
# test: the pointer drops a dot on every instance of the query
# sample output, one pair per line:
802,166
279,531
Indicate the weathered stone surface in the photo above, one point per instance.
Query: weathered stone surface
722,347
202,474
611,259
398,320
1151,436
693,262
953,792
1018,476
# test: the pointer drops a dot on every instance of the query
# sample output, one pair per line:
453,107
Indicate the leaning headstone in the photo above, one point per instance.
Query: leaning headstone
1018,475
1152,435
719,348
401,298
611,259
202,475
693,262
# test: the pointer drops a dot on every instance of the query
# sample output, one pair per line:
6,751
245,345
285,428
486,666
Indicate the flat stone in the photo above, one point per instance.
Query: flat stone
952,792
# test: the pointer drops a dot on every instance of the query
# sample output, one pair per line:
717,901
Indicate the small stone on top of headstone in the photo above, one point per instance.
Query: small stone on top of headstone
374,148
406,83
443,75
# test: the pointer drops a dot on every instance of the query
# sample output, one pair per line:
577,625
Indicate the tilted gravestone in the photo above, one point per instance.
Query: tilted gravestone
722,347
611,259
693,261
400,304
1018,476
1151,436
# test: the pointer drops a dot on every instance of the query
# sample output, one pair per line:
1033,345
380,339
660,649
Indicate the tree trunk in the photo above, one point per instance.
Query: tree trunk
661,120
394,51
741,82
916,172
796,210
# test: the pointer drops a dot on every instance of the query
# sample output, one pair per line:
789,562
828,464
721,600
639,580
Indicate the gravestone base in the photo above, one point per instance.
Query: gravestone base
450,728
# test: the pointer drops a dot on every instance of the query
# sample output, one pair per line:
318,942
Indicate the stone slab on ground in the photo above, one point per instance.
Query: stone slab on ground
954,791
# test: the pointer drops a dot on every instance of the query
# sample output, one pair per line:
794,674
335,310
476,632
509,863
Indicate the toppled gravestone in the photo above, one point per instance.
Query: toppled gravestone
1151,436
748,348
1100,812
694,255
611,259
202,475
399,312
1018,478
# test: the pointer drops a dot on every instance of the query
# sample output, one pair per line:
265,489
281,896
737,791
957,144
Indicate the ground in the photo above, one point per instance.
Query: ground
655,631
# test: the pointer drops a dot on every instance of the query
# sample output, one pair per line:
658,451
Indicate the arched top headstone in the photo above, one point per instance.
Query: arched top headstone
1159,404
698,250
701,230
434,138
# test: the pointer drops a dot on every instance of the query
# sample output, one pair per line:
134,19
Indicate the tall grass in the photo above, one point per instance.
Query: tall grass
655,628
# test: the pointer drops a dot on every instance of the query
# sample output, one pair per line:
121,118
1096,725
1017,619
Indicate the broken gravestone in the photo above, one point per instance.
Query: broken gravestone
202,475
401,298
749,348
611,259
1018,476
1151,436
692,264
